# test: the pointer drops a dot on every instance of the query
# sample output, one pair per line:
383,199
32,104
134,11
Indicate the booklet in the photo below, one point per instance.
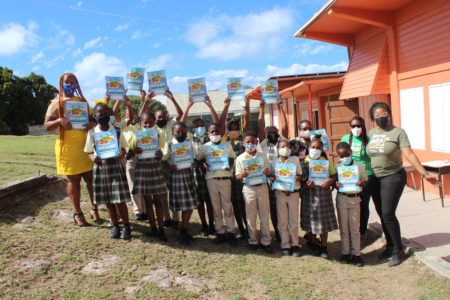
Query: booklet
135,78
197,89
157,82
318,171
348,176
115,87
321,134
148,141
182,156
77,114
217,157
269,90
236,89
285,177
106,144
254,168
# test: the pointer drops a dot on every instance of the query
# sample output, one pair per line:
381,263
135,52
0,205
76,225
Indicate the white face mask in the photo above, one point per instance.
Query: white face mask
284,151
356,131
214,138
314,153
304,133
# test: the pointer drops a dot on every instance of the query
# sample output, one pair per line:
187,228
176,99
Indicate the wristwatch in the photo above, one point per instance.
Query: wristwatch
424,174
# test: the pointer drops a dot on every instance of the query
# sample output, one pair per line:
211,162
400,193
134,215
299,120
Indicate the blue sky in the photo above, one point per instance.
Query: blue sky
215,39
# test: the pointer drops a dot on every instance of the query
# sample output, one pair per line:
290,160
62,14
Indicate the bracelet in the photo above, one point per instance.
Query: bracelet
425,174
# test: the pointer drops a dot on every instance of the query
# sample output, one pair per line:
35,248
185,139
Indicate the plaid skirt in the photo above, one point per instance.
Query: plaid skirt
202,187
110,183
183,193
317,211
148,179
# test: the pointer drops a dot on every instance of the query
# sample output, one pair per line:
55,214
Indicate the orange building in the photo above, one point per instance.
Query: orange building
399,53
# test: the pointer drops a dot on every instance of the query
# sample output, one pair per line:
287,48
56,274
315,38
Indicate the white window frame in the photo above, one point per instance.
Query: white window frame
412,110
439,98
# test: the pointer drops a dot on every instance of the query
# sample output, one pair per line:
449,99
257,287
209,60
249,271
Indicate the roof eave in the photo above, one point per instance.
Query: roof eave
324,9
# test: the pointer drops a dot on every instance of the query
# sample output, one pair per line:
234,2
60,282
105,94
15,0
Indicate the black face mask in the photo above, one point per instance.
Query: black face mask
382,121
161,123
103,119
180,137
272,138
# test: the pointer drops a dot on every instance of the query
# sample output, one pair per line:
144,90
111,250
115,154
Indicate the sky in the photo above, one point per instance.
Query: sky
212,39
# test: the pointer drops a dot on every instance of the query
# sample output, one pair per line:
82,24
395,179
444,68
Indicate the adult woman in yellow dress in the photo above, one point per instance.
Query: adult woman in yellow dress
71,160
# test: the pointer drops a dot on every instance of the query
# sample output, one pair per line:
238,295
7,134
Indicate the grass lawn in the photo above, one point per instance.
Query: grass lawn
234,273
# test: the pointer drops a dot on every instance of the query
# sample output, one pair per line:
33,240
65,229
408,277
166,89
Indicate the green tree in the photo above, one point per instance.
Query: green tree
136,102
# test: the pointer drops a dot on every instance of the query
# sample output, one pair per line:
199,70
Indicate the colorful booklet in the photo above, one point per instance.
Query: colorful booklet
217,157
135,78
182,156
254,168
77,113
236,89
269,90
115,87
106,144
285,177
197,89
318,171
321,134
348,176
157,82
148,141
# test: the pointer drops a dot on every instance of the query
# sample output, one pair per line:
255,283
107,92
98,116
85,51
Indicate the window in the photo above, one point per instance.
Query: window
413,116
440,117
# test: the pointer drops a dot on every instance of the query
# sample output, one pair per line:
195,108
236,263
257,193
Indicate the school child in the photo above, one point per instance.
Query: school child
317,209
288,202
219,187
110,183
348,209
149,182
256,196
183,193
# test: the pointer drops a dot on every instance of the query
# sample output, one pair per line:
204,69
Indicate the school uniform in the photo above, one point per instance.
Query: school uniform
288,207
200,171
256,203
219,187
348,209
110,184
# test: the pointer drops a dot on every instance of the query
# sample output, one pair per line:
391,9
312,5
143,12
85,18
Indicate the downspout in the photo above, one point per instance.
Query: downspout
310,105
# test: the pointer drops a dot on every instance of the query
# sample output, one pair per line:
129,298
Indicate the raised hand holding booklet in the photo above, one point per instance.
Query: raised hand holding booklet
106,144
269,90
148,141
115,87
182,156
217,157
318,171
236,89
285,177
135,78
157,82
322,134
254,168
77,114
197,89
348,176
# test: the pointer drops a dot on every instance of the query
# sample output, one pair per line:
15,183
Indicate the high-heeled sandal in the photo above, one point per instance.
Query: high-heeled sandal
95,216
81,218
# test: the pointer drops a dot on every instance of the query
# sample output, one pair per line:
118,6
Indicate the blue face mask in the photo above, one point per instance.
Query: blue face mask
250,147
112,120
69,89
199,131
346,160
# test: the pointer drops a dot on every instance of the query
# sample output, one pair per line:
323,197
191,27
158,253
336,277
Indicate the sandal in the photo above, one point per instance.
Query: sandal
80,220
95,216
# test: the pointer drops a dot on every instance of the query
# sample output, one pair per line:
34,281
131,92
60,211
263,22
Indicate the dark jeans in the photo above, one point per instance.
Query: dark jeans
365,200
386,194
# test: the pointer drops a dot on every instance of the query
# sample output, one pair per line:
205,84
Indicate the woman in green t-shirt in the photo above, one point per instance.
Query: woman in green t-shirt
358,140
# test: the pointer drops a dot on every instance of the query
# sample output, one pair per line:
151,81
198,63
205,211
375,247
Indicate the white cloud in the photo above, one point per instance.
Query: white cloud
306,48
15,38
94,43
76,52
122,27
160,62
37,56
50,63
61,39
137,34
304,69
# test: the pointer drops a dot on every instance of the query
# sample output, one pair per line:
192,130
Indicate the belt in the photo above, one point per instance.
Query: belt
222,178
256,185
351,195
288,193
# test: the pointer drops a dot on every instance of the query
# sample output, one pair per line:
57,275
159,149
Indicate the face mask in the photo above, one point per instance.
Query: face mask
346,160
180,137
112,120
304,133
250,147
234,134
214,138
284,151
382,121
356,131
314,153
272,138
161,123
199,131
69,89
103,119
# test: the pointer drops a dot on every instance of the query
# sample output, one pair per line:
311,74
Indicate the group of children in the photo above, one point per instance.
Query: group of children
244,189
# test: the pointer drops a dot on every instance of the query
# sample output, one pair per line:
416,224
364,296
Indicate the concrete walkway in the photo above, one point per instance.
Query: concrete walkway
425,226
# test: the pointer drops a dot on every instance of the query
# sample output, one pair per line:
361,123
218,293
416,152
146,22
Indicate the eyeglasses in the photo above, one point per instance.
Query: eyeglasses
355,126
307,128
381,115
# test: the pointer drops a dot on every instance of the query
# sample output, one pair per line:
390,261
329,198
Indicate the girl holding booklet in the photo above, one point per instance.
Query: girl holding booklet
106,147
317,209
149,181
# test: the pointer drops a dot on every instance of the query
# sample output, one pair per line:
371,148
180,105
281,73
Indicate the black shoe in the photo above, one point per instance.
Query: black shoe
152,232
212,229
285,252
296,251
397,258
175,224
204,231
323,252
346,258
315,248
161,235
268,249
277,236
220,238
387,253
231,239
140,217
115,232
357,261
126,233
252,247
168,223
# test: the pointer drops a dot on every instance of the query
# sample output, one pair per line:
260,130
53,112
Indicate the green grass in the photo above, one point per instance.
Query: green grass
235,272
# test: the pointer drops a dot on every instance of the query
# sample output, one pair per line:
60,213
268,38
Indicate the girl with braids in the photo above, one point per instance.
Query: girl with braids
71,160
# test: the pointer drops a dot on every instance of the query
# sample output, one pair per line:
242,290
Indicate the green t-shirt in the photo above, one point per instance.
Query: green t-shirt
384,150
359,152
